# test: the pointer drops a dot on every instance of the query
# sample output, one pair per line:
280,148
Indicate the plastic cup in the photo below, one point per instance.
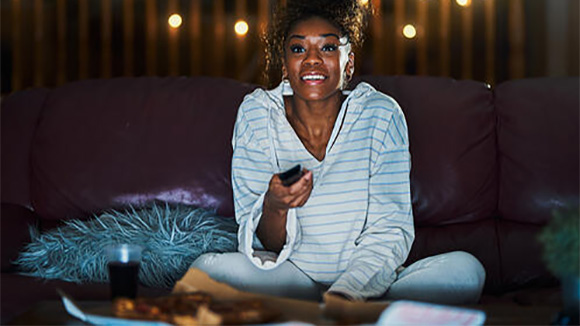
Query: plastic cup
123,262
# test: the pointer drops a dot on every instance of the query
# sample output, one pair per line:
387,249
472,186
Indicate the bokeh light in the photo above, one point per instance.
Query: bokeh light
175,21
241,28
409,31
463,3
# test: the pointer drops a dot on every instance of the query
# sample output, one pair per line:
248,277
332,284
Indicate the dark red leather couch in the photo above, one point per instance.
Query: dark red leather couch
488,165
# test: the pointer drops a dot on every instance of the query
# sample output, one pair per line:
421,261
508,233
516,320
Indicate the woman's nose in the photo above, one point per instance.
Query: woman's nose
312,57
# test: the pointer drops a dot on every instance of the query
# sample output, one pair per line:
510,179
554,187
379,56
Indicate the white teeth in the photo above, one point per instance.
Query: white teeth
313,77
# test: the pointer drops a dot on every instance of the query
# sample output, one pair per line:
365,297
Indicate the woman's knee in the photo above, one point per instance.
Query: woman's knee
469,265
212,263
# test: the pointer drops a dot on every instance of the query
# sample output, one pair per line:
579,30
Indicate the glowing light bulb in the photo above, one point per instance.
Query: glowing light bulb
175,21
409,31
364,2
241,28
463,3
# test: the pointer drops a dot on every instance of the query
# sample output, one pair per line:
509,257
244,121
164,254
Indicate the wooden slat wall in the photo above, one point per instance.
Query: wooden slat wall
422,36
195,45
151,37
241,41
219,22
106,33
128,37
199,46
517,58
61,44
400,59
38,43
490,30
467,41
378,39
444,38
172,8
16,45
83,39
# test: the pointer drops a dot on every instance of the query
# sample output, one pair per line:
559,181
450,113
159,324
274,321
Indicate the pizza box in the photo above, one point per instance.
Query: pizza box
334,311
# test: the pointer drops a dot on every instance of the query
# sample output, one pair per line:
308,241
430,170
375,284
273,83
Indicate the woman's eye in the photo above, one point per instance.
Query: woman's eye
329,48
296,49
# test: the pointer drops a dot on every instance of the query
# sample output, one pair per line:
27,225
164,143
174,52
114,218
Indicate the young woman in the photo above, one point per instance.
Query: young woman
346,226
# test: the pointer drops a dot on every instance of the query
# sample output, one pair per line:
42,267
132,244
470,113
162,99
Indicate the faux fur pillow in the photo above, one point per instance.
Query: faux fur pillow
172,236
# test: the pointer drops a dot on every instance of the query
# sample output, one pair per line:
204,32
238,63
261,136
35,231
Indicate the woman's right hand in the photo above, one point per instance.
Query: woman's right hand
278,200
281,198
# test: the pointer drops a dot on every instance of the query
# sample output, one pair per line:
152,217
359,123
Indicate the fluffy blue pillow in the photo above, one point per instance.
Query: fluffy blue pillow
172,236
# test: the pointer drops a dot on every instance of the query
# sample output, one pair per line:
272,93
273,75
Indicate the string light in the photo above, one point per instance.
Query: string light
463,3
241,28
175,21
409,31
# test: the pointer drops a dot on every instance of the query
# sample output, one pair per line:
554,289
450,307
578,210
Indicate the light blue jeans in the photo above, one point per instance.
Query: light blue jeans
451,278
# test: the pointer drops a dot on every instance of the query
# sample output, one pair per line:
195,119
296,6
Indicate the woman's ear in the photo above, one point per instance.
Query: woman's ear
284,71
349,70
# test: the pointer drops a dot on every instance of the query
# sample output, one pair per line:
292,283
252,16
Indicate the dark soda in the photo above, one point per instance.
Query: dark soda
124,278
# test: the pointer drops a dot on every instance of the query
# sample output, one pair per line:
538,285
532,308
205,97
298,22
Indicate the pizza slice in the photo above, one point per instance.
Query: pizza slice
196,308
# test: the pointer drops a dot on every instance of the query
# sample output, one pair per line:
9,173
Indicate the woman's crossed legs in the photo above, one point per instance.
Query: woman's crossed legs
450,278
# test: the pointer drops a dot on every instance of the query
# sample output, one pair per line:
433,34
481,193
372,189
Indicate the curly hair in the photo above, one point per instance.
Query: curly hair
349,16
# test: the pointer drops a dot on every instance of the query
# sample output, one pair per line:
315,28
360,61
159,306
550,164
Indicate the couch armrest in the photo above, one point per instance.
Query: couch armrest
15,220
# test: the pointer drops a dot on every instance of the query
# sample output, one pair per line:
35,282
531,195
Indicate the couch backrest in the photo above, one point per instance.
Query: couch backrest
538,152
104,144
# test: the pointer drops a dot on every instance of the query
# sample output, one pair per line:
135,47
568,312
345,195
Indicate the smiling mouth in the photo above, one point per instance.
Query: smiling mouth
313,78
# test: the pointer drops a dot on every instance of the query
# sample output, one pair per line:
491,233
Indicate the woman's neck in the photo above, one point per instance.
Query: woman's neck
313,121
313,118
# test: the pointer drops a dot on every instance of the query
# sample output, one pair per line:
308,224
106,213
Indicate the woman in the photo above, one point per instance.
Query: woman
346,226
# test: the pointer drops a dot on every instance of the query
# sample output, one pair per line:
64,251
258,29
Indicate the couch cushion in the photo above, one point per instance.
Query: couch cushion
478,238
20,113
520,254
109,143
452,142
538,147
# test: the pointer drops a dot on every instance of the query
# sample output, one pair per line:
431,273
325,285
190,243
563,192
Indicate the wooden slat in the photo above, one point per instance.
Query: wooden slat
38,43
106,32
219,34
83,39
151,37
467,42
444,41
378,39
516,39
263,19
61,57
128,37
241,41
490,27
173,38
16,45
195,36
400,58
422,36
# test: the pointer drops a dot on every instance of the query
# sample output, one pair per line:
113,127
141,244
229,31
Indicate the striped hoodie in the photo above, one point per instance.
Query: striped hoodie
356,228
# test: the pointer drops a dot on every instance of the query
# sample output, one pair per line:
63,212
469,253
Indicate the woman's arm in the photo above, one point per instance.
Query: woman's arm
256,186
278,200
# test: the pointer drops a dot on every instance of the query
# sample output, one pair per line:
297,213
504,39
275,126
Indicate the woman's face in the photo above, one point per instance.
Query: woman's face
312,59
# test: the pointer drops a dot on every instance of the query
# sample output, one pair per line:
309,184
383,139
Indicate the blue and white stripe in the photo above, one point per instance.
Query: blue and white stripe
357,227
